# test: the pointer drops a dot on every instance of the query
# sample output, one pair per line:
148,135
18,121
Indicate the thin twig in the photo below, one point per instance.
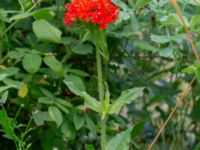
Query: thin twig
175,5
178,101
187,89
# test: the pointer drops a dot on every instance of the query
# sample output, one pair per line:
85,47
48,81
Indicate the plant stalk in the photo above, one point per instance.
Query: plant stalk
101,94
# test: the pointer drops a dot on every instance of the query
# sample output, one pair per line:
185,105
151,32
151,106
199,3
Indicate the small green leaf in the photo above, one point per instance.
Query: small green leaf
76,81
79,120
91,102
91,126
4,97
120,4
119,142
160,38
126,97
141,3
40,117
143,45
45,100
62,107
68,130
3,76
23,90
32,62
75,84
173,19
188,70
89,147
54,64
194,21
82,49
10,71
45,31
20,16
55,115
8,126
63,102
78,72
44,13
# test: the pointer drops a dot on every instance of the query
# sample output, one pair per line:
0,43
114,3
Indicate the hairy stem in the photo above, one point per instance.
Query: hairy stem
101,93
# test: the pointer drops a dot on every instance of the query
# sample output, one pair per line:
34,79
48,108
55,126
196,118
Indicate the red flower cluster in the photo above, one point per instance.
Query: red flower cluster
101,12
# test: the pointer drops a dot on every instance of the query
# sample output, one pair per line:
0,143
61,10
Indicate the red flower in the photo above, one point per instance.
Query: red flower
101,12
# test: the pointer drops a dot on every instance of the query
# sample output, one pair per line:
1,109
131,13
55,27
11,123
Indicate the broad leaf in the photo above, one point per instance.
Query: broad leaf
55,115
32,62
45,31
91,102
126,97
54,64
40,117
79,120
76,81
119,142
82,49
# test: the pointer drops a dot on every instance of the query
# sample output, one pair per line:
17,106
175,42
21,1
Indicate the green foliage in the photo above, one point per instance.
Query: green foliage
45,31
48,77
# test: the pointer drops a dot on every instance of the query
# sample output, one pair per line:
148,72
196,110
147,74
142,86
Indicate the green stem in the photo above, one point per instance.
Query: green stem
101,94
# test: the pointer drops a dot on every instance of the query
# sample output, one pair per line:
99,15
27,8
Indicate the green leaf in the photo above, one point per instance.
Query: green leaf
91,126
119,142
124,15
188,70
3,76
79,120
173,19
166,52
197,71
194,21
45,31
91,102
89,147
45,100
32,62
4,97
55,115
82,49
44,13
20,16
75,84
141,3
160,38
63,102
54,64
68,130
126,97
143,45
12,83
62,107
40,117
23,90
8,126
120,4
78,72
10,71
47,93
